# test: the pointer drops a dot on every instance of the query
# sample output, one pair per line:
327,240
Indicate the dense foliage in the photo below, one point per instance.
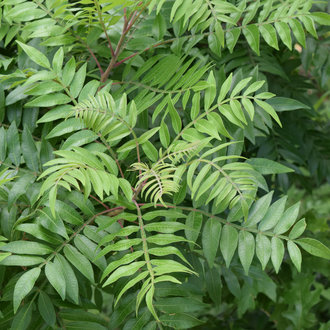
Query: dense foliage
164,164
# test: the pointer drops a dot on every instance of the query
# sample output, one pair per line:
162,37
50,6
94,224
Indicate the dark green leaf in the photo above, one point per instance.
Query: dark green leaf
46,308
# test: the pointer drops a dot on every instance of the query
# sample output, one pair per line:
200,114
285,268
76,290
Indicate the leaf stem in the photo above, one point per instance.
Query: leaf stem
99,13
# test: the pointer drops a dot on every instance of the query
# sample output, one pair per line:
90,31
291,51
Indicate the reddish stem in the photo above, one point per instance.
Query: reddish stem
142,51
95,59
104,205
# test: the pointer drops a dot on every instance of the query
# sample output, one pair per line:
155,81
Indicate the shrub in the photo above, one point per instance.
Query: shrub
148,149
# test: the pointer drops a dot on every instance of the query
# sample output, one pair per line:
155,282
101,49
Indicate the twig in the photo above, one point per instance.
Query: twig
104,205
98,9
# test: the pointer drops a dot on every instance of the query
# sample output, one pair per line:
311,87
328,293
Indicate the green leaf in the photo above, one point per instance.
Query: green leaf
149,301
79,261
165,227
253,87
3,145
71,282
321,18
25,12
258,210
49,100
210,240
164,266
35,55
298,229
52,223
277,252
27,247
67,126
22,319
227,111
132,114
122,108
88,90
314,247
126,188
285,33
124,271
21,260
225,87
131,283
269,34
4,255
213,285
176,120
248,106
68,71
164,251
78,81
180,321
246,246
150,151
218,124
228,243
170,214
78,139
58,61
210,91
56,278
251,33
205,126
90,250
14,149
128,258
46,308
232,38
164,135
24,285
62,111
309,24
267,166
263,249
269,109
147,135
165,239
237,110
298,31
29,150
295,254
285,104
193,226
273,215
39,232
195,106
287,219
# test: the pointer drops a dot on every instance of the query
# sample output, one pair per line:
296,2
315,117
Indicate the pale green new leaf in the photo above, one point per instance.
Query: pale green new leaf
246,247
298,229
263,249
295,254
277,252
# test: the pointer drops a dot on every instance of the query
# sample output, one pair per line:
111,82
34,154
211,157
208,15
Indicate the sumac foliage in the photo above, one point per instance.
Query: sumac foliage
154,157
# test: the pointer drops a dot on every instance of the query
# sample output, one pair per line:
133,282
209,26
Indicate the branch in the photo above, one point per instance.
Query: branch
99,13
